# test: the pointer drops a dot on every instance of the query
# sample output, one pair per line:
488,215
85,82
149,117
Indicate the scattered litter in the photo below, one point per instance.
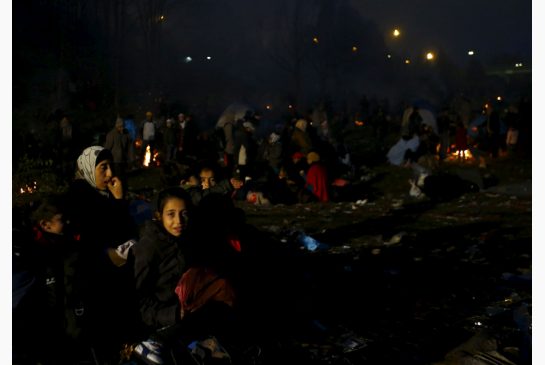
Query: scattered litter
397,203
353,343
395,239
310,243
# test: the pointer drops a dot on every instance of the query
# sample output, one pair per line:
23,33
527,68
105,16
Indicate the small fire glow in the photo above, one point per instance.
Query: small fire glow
138,143
359,123
29,189
464,155
147,158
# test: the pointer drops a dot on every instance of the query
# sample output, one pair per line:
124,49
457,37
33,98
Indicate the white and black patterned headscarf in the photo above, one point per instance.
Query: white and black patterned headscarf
87,162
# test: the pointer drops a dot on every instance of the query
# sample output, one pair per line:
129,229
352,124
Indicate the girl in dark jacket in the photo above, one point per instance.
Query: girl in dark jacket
159,264
162,256
160,259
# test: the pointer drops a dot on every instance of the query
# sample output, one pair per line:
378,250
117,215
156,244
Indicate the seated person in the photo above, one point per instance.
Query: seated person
209,185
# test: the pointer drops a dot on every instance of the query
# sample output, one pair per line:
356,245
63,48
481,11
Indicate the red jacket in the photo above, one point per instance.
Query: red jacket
317,181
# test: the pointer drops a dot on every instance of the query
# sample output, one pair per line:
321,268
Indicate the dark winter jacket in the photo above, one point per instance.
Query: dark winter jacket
56,257
159,264
102,221
108,290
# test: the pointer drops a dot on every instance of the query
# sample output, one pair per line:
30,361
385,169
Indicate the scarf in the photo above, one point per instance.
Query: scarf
87,164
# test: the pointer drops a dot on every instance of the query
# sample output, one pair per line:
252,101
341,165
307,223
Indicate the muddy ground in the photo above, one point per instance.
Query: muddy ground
398,280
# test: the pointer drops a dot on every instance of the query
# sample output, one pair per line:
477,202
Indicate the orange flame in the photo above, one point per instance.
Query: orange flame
147,158
27,189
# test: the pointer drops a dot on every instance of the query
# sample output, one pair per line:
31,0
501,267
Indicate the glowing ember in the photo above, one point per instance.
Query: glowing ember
359,123
28,189
464,155
155,155
147,158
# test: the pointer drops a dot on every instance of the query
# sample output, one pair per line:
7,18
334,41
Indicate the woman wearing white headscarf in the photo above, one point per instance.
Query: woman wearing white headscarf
100,215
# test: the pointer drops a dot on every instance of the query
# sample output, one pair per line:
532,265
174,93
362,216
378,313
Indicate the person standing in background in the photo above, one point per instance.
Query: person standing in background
148,133
118,142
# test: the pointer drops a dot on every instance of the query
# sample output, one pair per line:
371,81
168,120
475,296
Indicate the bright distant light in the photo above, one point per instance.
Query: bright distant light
471,53
290,106
407,61
162,18
208,58
518,64
315,40
354,48
498,98
188,59
389,56
268,107
430,56
396,32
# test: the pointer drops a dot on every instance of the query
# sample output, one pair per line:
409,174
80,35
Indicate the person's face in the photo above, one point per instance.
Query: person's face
193,181
207,179
174,216
237,183
54,225
103,174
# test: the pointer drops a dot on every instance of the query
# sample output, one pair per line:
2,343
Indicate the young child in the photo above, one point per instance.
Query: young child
54,302
159,262
161,259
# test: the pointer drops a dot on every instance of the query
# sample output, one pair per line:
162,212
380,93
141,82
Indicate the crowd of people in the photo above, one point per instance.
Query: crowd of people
90,279
87,279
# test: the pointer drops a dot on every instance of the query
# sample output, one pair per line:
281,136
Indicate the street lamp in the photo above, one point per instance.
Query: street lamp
430,56
396,33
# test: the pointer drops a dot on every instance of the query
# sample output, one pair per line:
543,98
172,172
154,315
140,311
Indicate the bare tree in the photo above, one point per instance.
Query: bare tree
151,14
288,37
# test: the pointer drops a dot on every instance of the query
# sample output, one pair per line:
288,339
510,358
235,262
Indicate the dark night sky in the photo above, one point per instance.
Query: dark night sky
493,29
486,26
234,34
489,27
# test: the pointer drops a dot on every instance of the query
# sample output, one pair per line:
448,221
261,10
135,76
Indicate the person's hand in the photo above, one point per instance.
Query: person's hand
115,187
115,258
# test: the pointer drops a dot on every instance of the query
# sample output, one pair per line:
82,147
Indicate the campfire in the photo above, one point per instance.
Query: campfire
150,157
28,189
460,155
